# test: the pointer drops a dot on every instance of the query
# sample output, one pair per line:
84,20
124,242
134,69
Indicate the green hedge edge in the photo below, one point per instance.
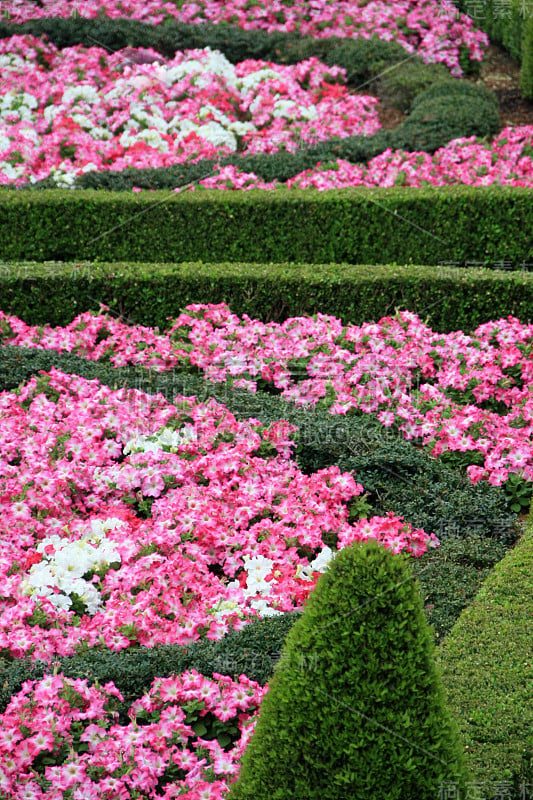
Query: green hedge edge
149,294
488,672
426,226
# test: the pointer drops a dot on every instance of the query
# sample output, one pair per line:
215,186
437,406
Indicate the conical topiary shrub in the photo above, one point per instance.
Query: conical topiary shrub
356,708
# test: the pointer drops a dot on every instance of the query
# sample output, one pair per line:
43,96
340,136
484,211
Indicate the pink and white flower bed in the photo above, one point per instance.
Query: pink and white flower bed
435,30
158,754
81,109
398,369
126,519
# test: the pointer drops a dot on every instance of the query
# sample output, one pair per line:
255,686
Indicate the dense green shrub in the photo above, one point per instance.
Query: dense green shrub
488,671
451,575
355,707
355,226
449,298
526,73
448,110
400,86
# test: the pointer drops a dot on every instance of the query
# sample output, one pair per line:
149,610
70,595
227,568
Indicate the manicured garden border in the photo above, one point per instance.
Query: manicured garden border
488,670
356,226
449,297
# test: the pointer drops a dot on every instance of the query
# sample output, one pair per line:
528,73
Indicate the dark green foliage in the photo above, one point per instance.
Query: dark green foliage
253,651
451,574
353,226
356,706
526,73
459,90
398,476
488,672
400,86
448,110
149,294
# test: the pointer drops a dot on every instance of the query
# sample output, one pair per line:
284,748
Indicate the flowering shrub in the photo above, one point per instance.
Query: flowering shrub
61,738
81,109
435,30
127,519
450,392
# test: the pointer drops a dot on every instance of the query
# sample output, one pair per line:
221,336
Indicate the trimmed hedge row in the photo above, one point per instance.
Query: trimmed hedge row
449,298
463,109
355,226
510,24
488,672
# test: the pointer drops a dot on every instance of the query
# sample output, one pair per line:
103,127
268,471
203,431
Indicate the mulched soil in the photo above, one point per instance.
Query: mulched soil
500,73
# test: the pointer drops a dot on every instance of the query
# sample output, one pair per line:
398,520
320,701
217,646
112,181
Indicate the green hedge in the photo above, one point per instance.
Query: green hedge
356,706
488,671
449,298
356,226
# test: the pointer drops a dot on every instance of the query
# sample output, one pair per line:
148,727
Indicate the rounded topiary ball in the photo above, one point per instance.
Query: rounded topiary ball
356,708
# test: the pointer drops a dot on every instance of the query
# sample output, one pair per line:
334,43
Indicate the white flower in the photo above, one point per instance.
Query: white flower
60,601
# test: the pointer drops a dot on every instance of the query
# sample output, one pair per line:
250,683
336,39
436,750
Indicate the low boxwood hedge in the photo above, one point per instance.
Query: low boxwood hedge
356,226
448,298
488,671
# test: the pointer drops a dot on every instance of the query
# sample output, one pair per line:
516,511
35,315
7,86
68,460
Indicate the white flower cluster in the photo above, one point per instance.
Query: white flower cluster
258,568
65,562
319,564
166,439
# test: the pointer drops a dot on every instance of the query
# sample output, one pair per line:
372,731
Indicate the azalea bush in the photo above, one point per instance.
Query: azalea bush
463,397
435,30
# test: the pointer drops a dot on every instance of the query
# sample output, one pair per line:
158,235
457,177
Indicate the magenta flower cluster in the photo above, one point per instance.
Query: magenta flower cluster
158,754
397,369
436,31
66,112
